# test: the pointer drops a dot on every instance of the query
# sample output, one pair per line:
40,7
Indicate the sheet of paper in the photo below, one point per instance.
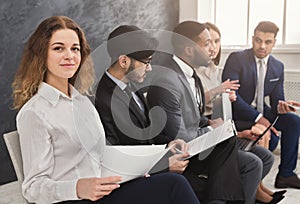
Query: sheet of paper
211,138
222,107
131,162
227,110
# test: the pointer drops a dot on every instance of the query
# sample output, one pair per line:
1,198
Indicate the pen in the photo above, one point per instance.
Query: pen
178,151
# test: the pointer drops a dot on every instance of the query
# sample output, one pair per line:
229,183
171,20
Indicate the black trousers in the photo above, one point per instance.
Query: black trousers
220,165
164,188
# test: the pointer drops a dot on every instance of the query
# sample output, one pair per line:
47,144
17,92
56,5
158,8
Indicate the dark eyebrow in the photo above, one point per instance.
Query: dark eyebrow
60,43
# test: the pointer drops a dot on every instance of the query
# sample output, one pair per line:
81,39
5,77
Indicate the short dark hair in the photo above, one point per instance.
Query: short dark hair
132,41
267,27
184,31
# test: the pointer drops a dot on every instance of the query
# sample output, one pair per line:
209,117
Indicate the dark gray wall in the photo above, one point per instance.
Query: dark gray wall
18,19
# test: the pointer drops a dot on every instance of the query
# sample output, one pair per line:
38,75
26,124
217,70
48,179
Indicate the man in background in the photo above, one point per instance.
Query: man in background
261,75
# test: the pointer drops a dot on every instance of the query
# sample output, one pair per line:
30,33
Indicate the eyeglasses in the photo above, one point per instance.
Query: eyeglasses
146,63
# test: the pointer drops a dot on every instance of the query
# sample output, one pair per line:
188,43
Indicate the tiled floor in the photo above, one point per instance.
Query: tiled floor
10,193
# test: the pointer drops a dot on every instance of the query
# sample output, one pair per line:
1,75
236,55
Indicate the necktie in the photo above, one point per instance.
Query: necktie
260,88
129,93
199,92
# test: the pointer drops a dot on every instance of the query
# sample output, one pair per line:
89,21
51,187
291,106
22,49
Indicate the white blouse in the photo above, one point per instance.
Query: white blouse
211,78
62,140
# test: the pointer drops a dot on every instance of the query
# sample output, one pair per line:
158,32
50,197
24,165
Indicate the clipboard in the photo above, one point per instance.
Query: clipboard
247,145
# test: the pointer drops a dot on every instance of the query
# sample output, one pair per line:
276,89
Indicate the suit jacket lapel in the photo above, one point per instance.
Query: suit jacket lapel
186,84
136,110
122,96
253,65
271,71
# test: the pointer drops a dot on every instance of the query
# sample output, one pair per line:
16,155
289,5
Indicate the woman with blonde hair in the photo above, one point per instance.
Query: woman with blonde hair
61,136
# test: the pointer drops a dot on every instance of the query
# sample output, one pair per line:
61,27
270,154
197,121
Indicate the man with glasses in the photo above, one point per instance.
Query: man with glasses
122,108
117,85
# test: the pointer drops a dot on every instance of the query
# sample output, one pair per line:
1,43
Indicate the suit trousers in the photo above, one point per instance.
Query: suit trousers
289,125
251,174
223,174
266,157
221,179
164,188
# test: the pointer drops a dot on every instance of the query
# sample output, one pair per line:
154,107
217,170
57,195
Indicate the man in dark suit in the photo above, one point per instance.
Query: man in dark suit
177,90
126,120
261,75
121,106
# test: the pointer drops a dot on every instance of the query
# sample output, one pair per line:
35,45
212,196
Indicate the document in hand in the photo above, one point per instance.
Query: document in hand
131,162
135,161
247,144
212,138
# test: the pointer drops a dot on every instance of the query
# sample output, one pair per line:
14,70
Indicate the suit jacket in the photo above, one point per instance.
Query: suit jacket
123,121
171,91
242,66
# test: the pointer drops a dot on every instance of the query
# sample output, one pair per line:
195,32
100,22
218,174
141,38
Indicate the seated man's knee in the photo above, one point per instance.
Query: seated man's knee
250,162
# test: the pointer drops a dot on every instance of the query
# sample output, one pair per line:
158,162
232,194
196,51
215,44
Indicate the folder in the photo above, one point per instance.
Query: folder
131,161
247,144
134,161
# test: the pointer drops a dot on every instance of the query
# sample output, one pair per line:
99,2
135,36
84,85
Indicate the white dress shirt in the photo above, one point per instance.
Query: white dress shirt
62,140
188,72
122,86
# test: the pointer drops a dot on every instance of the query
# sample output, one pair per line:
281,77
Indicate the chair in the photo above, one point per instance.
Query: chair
13,145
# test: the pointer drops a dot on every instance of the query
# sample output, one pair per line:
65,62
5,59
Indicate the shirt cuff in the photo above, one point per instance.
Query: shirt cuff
66,190
258,117
210,127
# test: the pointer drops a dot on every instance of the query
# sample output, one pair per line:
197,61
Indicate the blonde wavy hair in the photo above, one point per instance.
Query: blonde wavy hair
33,66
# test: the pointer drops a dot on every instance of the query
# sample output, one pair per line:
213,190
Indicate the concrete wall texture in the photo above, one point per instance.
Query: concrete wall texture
18,19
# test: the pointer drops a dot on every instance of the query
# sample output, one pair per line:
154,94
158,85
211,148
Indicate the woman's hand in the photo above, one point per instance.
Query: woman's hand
232,85
95,188
227,86
232,96
253,134
247,134
258,129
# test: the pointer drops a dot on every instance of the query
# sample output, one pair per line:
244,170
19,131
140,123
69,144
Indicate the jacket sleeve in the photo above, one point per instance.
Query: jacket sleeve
233,70
165,94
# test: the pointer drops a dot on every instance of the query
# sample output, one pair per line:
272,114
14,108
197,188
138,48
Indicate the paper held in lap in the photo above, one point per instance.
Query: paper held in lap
133,161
